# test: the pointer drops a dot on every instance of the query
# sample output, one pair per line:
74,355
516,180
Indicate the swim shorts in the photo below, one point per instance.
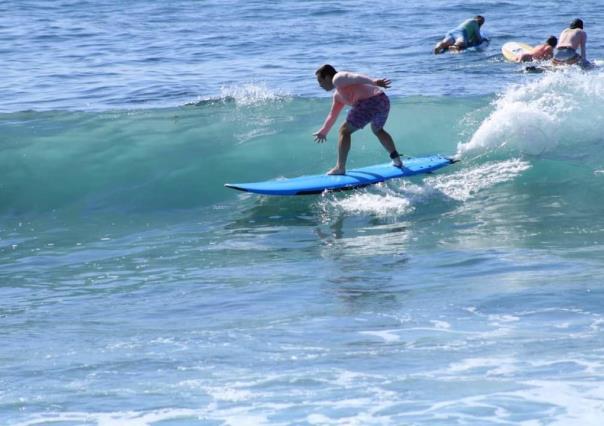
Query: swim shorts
455,36
372,110
566,55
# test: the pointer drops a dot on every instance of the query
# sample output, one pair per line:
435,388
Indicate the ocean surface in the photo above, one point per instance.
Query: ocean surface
135,289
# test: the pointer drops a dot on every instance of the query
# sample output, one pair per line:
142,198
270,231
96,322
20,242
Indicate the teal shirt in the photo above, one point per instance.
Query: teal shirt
471,32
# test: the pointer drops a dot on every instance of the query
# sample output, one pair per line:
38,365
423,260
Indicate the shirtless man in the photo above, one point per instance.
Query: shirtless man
571,39
369,105
540,52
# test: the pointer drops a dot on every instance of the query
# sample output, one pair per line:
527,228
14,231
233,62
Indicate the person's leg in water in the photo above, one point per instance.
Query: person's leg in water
344,142
443,45
387,142
453,40
381,112
459,44
457,47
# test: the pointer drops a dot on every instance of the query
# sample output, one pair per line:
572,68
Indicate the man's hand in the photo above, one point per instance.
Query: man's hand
319,137
383,82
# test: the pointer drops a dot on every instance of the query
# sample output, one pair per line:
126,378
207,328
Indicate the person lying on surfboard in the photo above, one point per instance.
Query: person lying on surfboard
571,39
369,105
467,34
541,52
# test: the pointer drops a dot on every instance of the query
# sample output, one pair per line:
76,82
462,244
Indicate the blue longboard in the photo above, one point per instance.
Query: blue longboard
316,184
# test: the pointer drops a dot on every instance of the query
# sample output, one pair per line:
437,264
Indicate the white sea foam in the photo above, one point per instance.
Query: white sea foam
389,336
561,109
492,366
122,418
251,94
579,403
381,203
462,185
498,319
376,398
238,416
441,325
387,200
229,393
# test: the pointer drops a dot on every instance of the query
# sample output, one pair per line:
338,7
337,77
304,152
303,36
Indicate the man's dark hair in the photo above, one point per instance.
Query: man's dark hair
479,19
326,70
576,23
552,41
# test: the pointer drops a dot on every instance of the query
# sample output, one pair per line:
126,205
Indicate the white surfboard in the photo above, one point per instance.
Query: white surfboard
512,49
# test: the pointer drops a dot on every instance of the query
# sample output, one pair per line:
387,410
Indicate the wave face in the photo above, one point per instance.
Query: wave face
141,159
179,158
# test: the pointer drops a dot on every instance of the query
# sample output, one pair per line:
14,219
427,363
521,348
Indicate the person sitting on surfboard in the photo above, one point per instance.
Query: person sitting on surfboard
467,34
369,105
569,41
541,52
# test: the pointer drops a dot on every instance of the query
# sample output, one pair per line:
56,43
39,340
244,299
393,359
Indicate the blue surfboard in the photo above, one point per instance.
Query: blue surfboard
356,178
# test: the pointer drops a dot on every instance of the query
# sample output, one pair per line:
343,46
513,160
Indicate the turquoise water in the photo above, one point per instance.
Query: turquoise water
137,290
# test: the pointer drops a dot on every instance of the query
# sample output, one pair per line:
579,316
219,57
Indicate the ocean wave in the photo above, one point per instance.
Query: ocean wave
180,158
403,197
559,115
244,95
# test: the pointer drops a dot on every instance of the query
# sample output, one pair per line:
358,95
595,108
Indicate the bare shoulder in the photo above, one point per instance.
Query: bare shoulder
341,75
346,78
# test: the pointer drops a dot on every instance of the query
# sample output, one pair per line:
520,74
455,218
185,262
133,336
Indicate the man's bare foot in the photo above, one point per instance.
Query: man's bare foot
337,171
397,163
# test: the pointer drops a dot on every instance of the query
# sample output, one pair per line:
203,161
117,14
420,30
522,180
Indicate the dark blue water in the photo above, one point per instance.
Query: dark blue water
104,55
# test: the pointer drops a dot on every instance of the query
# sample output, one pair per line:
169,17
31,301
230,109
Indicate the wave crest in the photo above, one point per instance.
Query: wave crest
251,94
561,112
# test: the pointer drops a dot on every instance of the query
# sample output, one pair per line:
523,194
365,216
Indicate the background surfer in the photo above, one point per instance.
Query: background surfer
369,104
541,52
570,40
467,34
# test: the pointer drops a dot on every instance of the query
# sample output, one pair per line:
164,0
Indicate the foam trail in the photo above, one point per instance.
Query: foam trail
397,199
382,203
559,111
463,185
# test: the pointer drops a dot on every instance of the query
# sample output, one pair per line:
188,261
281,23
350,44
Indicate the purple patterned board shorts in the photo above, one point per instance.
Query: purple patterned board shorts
372,110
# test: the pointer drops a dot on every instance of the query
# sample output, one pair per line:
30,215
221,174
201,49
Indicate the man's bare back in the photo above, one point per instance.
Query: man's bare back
573,38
